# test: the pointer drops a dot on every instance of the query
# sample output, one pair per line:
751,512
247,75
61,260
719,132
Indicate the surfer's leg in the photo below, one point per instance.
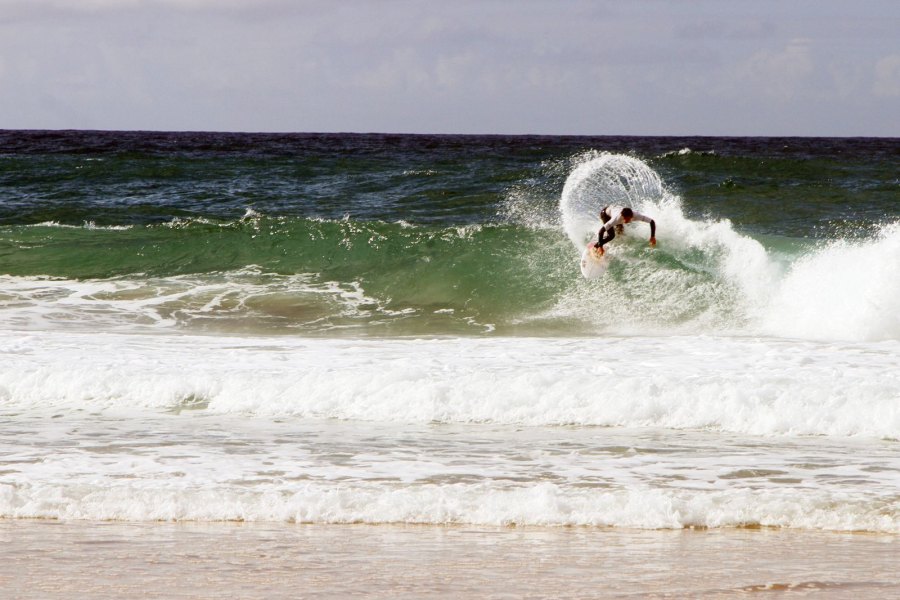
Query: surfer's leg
604,237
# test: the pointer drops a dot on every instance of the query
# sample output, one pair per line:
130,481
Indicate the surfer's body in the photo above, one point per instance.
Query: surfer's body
614,219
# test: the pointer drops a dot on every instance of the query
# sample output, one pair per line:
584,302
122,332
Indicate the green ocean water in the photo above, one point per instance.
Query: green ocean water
376,234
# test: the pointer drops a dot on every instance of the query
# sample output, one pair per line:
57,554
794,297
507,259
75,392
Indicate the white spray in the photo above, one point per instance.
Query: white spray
843,291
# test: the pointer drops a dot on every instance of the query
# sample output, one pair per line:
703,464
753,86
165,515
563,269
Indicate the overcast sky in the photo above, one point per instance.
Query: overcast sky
591,67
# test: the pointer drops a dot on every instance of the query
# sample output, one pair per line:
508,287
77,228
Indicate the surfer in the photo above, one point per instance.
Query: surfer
614,219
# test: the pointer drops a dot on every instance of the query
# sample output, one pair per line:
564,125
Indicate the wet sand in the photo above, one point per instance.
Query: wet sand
50,559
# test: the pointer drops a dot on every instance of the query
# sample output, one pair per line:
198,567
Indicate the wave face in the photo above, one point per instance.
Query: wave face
290,275
368,278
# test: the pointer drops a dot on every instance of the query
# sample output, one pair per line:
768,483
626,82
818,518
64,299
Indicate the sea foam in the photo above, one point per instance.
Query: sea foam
543,504
743,385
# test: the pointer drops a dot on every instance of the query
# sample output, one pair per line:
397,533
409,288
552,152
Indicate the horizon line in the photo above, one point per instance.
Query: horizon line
442,134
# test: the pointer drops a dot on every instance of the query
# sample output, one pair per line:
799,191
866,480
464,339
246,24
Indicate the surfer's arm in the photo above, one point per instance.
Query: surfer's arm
646,219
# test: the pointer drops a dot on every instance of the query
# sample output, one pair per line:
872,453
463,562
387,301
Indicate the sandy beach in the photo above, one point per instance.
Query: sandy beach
93,560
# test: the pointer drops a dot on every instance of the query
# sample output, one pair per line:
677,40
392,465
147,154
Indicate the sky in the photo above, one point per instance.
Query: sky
582,67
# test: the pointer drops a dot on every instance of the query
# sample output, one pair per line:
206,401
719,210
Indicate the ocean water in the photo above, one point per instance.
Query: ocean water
393,329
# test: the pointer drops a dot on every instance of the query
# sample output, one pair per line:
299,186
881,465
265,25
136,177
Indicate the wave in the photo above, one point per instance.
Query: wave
252,395
285,245
517,275
842,290
541,504
758,387
688,152
283,274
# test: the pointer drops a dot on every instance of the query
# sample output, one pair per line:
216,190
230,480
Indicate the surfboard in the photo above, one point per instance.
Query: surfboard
593,265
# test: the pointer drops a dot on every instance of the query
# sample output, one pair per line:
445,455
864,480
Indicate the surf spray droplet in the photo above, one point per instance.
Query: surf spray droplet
603,179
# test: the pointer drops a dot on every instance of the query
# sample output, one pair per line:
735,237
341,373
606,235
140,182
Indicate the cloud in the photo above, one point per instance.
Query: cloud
467,66
56,12
887,77
50,7
779,75
752,28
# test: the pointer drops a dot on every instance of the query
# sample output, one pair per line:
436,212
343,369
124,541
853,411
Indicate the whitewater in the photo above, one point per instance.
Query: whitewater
338,369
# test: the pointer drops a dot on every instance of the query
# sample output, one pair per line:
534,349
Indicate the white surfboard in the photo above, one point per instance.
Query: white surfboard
593,264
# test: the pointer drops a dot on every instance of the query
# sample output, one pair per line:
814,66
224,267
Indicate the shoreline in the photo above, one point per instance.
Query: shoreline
50,559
